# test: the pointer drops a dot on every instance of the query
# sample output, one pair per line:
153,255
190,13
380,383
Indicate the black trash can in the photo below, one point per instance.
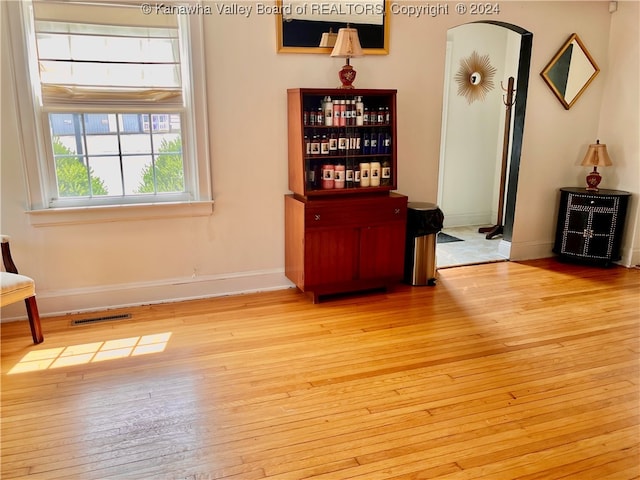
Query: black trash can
424,221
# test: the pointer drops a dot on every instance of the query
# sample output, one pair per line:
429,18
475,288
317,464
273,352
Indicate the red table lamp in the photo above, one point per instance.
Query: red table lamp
347,46
598,157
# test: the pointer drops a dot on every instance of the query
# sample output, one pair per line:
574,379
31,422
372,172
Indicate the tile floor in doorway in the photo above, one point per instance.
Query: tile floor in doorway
474,248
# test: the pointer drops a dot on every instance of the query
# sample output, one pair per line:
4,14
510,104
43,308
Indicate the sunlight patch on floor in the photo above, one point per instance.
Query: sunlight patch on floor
474,248
91,352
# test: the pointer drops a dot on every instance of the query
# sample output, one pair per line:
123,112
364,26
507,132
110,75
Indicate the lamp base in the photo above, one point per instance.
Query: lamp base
593,180
347,75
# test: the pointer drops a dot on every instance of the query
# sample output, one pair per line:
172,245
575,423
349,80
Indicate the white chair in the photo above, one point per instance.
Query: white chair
16,287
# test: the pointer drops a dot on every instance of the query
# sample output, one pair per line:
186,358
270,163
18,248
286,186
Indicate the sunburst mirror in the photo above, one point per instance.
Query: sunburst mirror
475,77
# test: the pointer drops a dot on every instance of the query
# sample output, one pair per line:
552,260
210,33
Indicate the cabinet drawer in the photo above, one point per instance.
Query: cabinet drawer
357,214
592,202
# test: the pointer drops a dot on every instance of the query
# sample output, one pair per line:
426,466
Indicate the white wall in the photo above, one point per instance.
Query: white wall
240,247
619,127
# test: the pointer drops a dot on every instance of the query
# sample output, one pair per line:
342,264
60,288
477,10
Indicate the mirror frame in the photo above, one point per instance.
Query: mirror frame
281,48
545,73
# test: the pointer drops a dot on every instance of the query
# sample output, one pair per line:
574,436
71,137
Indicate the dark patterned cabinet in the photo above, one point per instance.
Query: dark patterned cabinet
590,225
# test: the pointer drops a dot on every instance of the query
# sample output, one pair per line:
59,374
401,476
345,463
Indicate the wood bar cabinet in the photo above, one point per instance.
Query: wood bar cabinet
345,227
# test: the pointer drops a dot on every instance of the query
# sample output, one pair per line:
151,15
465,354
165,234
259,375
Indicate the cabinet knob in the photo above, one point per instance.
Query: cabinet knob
316,217
396,211
592,202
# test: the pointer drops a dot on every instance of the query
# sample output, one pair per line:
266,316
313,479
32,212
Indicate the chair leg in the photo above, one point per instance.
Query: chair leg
34,320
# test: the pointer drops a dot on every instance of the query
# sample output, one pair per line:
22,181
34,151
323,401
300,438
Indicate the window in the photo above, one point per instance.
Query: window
113,95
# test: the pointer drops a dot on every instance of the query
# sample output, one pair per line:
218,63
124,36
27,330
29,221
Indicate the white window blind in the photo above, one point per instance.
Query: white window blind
118,101
91,53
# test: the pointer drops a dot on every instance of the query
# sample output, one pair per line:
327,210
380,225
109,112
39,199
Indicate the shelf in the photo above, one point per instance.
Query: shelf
304,138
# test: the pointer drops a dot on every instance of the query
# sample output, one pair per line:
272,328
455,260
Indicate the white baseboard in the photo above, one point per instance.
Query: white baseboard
464,220
60,302
530,250
533,250
504,249
630,257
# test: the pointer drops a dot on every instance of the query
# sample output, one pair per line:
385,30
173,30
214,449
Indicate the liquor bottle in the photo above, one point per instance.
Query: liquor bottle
375,174
338,176
305,118
353,142
373,143
328,172
359,111
380,119
328,111
307,145
366,120
356,175
333,143
342,142
347,113
343,113
324,145
385,178
348,136
336,113
315,145
349,173
365,171
311,176
366,143
387,116
387,143
381,138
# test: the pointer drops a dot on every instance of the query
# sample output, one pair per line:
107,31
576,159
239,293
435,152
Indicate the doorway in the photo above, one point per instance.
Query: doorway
481,139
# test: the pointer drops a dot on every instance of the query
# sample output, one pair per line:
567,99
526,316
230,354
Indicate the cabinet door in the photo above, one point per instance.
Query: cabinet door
575,239
600,236
331,256
382,251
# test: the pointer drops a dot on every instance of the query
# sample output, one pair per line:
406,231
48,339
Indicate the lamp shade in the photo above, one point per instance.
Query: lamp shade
597,155
328,39
347,44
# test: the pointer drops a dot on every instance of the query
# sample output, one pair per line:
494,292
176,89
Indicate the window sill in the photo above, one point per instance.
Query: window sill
118,213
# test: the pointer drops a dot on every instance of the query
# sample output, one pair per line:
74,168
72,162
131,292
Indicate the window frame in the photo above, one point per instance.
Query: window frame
35,134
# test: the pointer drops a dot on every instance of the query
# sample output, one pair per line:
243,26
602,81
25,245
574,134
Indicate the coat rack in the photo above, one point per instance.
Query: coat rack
509,101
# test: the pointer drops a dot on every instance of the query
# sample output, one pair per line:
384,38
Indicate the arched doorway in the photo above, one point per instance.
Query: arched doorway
478,173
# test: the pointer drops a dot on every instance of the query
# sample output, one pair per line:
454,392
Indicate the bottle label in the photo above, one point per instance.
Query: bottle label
386,172
324,148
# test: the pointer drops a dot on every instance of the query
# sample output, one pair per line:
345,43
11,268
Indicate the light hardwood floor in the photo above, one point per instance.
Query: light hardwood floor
501,371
